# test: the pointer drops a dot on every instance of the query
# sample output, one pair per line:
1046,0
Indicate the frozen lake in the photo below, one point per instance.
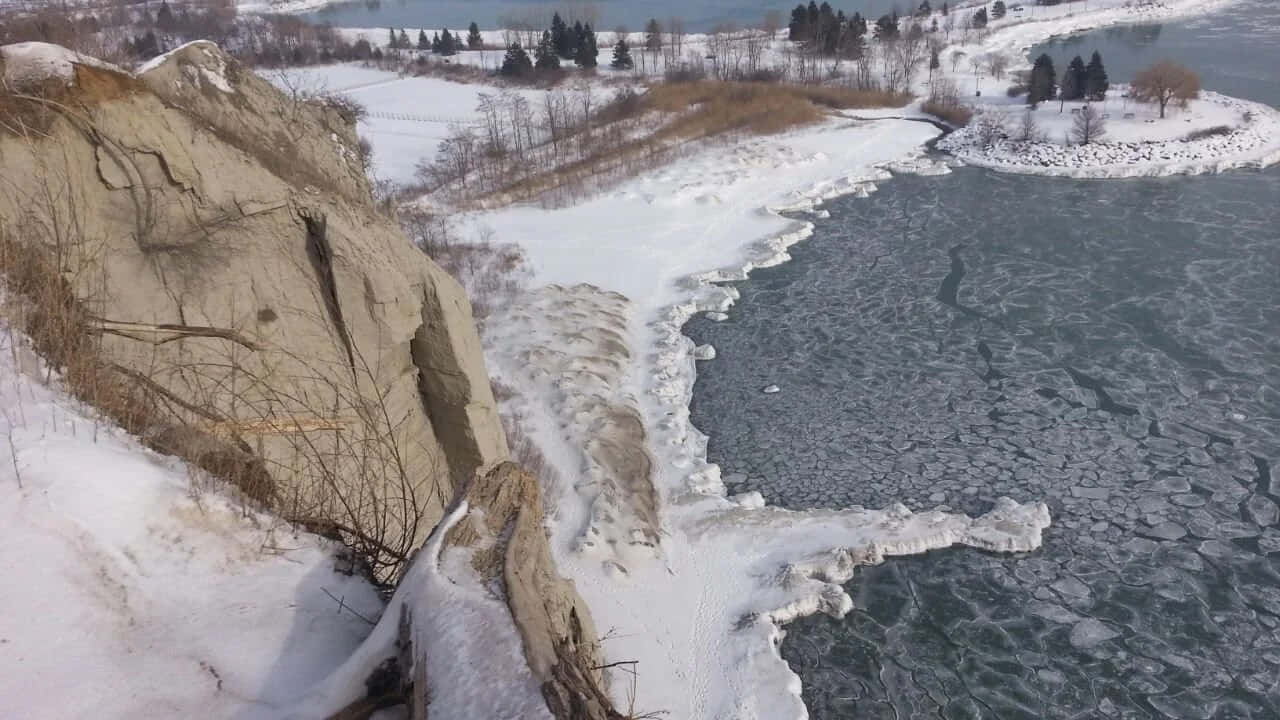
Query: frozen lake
701,16
1112,347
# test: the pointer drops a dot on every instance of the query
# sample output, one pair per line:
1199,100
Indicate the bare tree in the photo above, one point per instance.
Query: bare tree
1088,126
1165,82
997,63
956,57
1028,128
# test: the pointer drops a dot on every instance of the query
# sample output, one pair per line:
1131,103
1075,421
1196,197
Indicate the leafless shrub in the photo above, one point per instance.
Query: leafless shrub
1029,129
944,102
1087,125
988,128
1215,131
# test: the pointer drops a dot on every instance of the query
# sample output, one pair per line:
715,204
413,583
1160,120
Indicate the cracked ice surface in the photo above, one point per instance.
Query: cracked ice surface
1111,347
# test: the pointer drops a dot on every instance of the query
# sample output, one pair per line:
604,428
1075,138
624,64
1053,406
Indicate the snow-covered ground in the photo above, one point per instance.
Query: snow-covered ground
690,584
1137,142
407,116
134,588
598,342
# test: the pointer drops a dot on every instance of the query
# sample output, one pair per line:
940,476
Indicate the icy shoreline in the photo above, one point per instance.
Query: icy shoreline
1255,143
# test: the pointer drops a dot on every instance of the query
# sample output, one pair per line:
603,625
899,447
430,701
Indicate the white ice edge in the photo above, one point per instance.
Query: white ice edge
1252,144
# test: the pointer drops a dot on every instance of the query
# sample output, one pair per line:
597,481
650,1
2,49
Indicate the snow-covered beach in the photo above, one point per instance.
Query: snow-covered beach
603,378
1216,133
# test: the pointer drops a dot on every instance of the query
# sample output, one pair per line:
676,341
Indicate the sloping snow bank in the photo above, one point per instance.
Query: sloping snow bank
29,63
129,590
1254,141
475,661
699,610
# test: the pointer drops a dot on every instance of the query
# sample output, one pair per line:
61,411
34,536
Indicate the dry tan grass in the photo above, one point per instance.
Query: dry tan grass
957,115
708,108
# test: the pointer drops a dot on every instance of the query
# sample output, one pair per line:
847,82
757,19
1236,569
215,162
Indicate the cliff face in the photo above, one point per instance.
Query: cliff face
222,239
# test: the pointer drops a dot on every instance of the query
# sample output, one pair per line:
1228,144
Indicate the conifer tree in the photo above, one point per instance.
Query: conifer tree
946,10
1074,80
1044,81
1096,83
392,41
798,28
587,53
435,43
653,35
560,37
577,36
402,41
448,45
622,55
886,28
925,9
164,16
474,40
547,59
980,18
998,9
516,62
423,43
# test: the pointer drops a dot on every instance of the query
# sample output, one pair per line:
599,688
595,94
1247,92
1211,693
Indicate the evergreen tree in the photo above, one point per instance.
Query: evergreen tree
423,43
402,41
547,59
998,9
925,9
886,28
435,43
577,36
946,10
653,35
560,37
448,45
516,62
587,52
164,16
474,41
393,42
1044,81
811,15
1074,80
798,28
1096,83
622,55
147,46
980,18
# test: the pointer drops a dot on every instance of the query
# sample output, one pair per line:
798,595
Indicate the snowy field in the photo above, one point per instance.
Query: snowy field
407,116
1137,141
134,588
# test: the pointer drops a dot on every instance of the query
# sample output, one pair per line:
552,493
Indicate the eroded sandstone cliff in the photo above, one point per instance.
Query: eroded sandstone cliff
219,243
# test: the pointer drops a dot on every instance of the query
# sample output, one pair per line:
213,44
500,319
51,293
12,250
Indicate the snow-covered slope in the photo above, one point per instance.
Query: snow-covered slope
132,587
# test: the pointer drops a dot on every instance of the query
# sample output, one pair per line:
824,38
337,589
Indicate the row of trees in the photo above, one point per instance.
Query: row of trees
561,42
441,43
1079,81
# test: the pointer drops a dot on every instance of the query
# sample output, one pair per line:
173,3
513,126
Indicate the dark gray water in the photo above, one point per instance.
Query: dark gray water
1234,51
1111,347
699,16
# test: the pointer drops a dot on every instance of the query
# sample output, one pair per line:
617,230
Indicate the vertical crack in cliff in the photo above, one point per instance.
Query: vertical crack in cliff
321,254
